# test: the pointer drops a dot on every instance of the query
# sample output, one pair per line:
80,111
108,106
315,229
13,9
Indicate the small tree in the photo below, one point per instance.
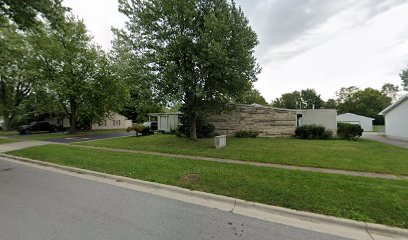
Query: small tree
200,53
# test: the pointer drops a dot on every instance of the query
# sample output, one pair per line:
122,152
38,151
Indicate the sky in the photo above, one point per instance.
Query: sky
320,44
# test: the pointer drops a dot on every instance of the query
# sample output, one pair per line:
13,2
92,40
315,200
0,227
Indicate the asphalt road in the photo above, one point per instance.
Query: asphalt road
37,204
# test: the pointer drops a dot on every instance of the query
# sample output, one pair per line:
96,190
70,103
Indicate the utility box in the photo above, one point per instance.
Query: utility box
220,141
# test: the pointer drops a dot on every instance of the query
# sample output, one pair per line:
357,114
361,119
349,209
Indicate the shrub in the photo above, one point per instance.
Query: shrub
313,132
349,131
246,134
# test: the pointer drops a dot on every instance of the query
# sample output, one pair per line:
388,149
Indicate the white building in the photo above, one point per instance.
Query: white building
396,119
115,121
321,117
166,122
366,123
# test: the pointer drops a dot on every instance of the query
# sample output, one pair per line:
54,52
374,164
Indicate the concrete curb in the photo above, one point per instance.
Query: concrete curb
305,220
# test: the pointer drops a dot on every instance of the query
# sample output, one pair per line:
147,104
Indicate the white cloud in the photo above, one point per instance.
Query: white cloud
344,51
317,44
99,16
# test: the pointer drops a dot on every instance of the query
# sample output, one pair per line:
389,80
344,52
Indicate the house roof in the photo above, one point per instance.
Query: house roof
394,105
164,114
354,115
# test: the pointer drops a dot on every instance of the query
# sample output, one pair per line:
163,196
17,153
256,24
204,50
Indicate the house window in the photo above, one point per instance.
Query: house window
116,122
102,124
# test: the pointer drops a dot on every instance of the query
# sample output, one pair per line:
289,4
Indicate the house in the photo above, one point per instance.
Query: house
116,121
166,122
366,123
396,119
267,121
321,117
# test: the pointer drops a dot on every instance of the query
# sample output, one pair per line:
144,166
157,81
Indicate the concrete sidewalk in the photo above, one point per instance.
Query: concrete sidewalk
20,145
303,220
384,139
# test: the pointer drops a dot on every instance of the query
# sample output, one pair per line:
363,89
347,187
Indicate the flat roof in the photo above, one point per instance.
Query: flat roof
163,114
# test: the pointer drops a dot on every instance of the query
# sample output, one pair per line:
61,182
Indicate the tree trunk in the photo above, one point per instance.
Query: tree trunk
9,121
193,127
72,117
72,123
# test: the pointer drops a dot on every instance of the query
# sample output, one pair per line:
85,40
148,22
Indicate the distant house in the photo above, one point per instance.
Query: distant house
366,123
116,121
396,119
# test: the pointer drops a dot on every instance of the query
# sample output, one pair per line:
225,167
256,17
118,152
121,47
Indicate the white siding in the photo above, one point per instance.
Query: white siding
366,123
396,121
117,121
322,117
167,123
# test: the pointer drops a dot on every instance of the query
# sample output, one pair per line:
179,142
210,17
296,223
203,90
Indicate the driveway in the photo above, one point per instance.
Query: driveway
382,138
37,204
89,137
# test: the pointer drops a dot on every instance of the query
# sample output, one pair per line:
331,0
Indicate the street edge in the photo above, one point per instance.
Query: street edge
234,205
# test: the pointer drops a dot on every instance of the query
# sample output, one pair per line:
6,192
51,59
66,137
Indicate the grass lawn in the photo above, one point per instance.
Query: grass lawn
6,140
361,155
368,199
46,135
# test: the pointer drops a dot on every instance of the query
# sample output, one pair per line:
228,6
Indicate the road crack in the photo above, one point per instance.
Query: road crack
368,232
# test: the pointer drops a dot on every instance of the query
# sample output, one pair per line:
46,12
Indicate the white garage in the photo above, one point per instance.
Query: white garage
366,123
396,119
166,122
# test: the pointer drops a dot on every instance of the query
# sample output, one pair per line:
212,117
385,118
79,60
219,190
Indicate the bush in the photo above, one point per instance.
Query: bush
313,132
203,128
246,134
349,131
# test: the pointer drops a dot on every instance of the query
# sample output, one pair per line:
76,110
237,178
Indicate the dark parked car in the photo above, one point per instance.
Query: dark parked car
37,127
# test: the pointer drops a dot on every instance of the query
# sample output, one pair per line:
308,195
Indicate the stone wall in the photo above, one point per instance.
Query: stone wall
267,121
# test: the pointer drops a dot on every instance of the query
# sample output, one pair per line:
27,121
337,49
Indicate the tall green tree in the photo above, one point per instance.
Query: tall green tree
16,72
28,14
404,78
250,97
305,99
288,100
19,21
390,90
330,104
201,52
368,102
78,74
139,80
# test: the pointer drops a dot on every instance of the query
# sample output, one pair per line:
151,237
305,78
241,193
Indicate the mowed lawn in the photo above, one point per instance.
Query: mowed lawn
368,199
5,140
361,155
